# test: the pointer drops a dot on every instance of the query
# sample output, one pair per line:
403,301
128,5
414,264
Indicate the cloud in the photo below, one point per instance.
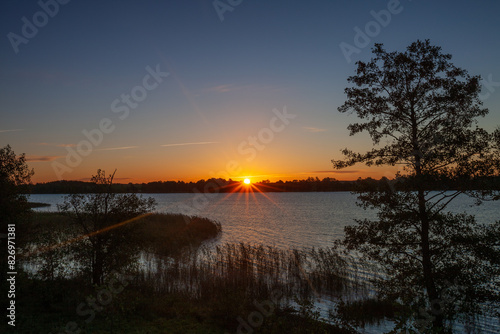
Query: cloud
40,158
186,144
334,171
11,130
313,129
56,145
231,88
88,179
117,148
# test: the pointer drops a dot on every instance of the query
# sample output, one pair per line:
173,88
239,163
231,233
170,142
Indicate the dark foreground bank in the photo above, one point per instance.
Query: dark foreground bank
177,285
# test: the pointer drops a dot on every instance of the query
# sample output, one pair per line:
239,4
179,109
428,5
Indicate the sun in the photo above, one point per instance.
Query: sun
247,181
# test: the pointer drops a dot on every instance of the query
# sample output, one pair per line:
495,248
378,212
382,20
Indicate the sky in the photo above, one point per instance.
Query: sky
188,90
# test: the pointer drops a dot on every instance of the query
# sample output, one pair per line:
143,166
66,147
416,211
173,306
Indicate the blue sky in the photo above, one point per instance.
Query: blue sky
225,78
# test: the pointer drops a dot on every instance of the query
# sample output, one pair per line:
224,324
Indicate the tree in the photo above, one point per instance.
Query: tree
443,266
106,226
14,173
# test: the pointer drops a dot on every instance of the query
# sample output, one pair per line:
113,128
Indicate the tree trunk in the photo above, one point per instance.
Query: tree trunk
427,266
433,297
430,284
97,270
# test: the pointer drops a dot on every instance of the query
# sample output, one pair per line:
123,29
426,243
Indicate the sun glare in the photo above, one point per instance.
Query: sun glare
247,181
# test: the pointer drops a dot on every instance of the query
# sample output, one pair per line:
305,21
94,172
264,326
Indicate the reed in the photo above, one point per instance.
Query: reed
177,273
254,271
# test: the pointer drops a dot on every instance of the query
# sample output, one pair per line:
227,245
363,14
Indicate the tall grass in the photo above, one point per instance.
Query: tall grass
170,234
228,279
254,271
222,281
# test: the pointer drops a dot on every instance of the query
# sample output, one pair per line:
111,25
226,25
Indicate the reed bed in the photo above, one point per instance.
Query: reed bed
255,272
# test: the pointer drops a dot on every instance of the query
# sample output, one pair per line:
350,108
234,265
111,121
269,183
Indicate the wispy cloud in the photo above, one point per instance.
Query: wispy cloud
40,158
232,87
334,171
11,130
312,129
186,144
56,145
117,148
115,179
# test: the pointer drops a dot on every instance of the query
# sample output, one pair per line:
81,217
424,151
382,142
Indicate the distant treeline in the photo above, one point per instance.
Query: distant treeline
224,186
210,185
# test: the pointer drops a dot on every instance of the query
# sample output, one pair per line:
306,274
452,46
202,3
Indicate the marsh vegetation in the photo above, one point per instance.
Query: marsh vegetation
179,281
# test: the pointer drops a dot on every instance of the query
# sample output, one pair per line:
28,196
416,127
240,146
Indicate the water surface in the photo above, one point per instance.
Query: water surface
287,220
295,220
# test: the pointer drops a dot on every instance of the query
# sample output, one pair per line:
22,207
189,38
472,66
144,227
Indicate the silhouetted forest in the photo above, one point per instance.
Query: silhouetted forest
224,186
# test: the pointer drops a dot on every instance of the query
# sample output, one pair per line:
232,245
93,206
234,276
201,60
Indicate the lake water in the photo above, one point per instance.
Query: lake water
285,220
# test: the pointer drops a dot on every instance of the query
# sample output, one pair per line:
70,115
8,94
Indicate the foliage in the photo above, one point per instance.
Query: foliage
46,245
223,186
197,290
169,234
439,264
14,173
366,311
102,246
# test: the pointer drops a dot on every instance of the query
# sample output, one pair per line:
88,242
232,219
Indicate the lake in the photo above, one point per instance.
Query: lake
286,220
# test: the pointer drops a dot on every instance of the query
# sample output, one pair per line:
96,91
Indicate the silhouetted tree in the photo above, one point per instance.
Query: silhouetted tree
105,224
441,265
14,174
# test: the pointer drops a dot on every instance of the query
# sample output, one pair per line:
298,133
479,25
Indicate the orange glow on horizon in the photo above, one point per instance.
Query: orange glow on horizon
41,177
133,173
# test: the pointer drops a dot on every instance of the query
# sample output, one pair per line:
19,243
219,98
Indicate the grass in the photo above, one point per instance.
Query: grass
368,311
169,234
162,234
188,287
32,205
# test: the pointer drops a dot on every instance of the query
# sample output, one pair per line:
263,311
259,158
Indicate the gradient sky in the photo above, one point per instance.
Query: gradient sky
225,79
